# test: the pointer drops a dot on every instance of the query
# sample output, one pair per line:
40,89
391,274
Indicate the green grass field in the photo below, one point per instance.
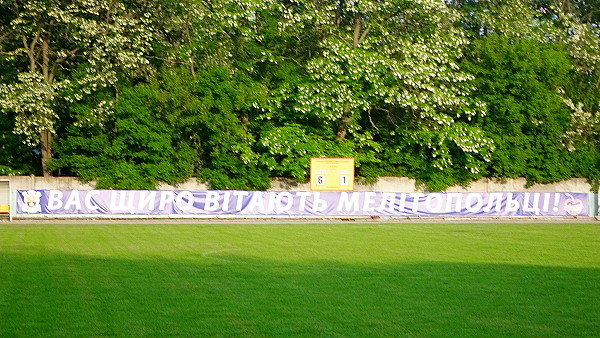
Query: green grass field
336,280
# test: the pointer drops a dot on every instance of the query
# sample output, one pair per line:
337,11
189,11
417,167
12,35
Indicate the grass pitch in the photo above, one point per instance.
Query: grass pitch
308,280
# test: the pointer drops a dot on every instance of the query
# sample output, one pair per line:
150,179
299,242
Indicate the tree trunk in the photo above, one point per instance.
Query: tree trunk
343,127
358,37
46,135
46,140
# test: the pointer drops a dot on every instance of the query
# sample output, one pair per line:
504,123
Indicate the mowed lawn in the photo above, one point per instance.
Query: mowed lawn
311,280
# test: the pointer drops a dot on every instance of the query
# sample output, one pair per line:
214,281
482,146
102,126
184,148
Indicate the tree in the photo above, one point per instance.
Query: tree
173,128
137,146
214,59
520,80
212,110
378,68
64,51
16,158
537,67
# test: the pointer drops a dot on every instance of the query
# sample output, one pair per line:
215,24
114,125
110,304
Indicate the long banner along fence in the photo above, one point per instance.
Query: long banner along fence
299,204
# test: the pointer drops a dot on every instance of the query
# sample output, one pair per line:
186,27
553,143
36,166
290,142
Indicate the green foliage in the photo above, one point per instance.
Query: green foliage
169,130
63,52
137,150
287,150
8,171
520,80
230,172
215,108
370,66
401,156
16,158
235,92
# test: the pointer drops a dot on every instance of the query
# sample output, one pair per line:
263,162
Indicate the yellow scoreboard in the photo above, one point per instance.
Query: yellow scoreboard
332,174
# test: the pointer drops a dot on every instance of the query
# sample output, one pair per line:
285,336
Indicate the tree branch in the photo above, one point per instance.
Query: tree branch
58,61
364,34
30,49
371,120
3,36
359,37
357,29
46,60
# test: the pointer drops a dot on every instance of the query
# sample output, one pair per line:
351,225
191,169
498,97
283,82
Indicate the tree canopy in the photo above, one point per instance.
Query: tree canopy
134,93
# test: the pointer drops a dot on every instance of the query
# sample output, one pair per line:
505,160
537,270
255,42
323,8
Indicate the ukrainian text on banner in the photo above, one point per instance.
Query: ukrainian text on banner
269,203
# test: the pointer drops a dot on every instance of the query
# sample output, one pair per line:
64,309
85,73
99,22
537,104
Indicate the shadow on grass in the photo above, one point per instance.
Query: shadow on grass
227,295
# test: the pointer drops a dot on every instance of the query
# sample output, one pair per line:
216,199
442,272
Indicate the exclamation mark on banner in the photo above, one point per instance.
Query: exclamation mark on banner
546,202
556,201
